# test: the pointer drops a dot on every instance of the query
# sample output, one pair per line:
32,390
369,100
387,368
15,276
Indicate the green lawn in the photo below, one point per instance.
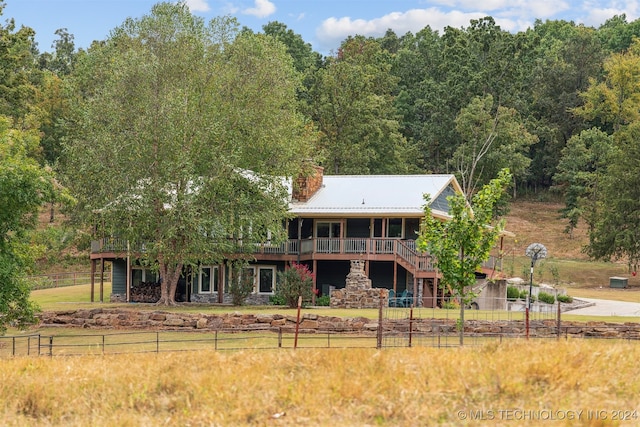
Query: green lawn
78,297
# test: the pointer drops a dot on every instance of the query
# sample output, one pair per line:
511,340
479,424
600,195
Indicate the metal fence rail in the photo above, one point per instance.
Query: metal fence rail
35,345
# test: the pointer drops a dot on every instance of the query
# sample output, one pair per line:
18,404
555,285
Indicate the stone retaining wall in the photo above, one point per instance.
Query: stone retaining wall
103,318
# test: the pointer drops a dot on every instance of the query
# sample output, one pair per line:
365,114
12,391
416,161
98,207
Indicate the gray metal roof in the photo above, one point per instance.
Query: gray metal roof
359,195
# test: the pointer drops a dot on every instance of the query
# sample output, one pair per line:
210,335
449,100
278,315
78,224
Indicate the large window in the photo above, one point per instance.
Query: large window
328,229
328,234
208,279
263,278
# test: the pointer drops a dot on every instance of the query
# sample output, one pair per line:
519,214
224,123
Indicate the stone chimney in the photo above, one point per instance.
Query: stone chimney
307,183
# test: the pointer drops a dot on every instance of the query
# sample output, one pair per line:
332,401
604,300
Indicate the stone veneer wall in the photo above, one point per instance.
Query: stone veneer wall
358,292
311,323
252,299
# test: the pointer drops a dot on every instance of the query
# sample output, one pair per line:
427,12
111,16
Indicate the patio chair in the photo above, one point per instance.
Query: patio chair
393,300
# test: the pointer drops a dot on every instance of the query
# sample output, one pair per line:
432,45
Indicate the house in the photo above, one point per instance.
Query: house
335,219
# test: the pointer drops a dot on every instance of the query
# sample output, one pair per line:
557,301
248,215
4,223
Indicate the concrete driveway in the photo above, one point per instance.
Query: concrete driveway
603,307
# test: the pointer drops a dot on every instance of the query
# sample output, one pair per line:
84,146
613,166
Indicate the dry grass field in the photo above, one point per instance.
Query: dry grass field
590,383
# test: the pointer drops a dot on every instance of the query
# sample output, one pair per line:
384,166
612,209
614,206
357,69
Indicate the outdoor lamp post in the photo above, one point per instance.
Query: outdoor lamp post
535,251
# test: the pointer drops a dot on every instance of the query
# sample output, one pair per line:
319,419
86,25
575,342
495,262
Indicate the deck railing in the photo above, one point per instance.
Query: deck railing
404,249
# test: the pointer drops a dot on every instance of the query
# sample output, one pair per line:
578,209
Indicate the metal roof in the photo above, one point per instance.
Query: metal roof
357,195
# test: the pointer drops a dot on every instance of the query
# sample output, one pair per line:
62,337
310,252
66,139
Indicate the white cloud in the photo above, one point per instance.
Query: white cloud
198,5
262,9
598,13
333,30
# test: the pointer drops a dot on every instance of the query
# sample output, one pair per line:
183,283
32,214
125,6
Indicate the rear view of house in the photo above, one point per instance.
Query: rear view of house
335,219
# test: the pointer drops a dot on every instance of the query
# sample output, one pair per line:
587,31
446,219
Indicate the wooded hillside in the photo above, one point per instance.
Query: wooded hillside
557,104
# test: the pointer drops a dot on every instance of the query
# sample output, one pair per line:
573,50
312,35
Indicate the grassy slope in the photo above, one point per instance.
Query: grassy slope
540,222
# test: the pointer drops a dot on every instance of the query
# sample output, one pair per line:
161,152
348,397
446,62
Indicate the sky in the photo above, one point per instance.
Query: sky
323,23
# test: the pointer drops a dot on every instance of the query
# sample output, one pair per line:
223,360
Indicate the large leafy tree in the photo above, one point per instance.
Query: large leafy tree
461,244
492,138
614,234
18,70
184,132
564,57
614,102
24,187
351,102
581,169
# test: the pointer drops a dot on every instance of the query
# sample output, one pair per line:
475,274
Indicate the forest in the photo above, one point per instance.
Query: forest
558,104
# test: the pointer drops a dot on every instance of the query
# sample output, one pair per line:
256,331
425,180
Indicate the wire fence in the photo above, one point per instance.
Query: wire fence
59,280
395,327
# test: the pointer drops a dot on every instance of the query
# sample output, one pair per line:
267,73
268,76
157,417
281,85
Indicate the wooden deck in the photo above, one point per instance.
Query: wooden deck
402,252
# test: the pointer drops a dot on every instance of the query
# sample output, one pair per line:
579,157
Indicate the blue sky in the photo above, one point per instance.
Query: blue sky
323,23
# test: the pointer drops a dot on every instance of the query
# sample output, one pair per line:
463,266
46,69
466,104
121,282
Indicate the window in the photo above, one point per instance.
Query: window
266,280
208,279
328,229
262,278
394,227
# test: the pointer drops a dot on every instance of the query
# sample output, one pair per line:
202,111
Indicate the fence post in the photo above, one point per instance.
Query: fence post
379,335
103,345
39,344
215,341
280,337
410,325
559,321
295,341
51,346
157,341
13,345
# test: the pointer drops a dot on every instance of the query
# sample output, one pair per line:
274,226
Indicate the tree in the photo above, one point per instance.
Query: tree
565,56
351,102
461,244
614,101
17,69
24,187
581,169
304,57
185,132
616,222
62,60
492,138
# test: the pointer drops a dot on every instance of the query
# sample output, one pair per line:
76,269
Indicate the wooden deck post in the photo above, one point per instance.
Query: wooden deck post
93,277
101,280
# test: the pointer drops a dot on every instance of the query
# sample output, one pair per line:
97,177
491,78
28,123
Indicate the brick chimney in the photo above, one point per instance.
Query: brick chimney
307,183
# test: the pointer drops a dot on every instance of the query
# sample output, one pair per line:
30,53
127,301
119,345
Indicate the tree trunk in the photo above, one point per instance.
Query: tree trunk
169,277
461,322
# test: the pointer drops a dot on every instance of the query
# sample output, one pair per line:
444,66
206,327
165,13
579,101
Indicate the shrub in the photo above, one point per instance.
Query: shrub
565,298
293,282
277,300
324,300
523,294
545,297
241,287
513,292
450,305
